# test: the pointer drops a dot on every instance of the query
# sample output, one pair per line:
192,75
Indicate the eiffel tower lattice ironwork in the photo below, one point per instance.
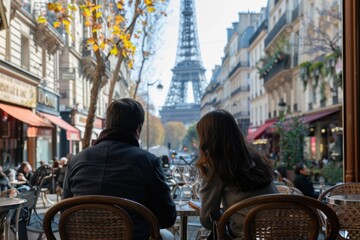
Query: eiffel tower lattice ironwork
188,71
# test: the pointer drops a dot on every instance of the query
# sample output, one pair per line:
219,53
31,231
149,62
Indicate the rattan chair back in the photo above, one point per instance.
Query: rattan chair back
279,216
348,215
283,189
288,182
296,191
98,217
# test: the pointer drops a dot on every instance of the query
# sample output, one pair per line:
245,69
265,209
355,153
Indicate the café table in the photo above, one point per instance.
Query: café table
347,208
17,182
319,188
7,204
184,211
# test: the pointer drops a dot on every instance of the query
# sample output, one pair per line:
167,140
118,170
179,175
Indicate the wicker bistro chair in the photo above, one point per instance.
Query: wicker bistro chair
283,189
280,216
98,217
348,215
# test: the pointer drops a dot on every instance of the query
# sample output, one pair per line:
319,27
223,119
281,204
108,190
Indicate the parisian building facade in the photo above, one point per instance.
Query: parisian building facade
288,63
44,88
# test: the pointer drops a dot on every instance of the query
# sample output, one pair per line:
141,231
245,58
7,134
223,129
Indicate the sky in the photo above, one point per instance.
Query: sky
213,18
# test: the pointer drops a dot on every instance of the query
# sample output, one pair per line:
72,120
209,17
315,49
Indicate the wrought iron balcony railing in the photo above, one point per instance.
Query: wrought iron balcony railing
245,88
284,20
239,65
278,67
263,26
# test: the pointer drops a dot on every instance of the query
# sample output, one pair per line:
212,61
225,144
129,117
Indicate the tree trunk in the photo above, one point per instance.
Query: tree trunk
99,73
121,56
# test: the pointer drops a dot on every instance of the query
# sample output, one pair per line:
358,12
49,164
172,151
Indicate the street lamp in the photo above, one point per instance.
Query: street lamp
282,106
160,87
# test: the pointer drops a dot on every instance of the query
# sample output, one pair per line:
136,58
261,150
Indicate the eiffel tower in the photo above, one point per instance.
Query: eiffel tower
188,70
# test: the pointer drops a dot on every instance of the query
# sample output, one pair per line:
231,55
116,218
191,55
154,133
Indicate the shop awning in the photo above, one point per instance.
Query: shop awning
260,130
315,116
82,131
71,132
25,115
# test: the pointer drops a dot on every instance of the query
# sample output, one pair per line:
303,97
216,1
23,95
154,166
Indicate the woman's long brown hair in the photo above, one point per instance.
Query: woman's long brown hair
225,152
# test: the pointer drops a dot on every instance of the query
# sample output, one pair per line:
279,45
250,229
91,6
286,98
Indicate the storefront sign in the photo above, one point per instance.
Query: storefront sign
47,100
80,120
15,91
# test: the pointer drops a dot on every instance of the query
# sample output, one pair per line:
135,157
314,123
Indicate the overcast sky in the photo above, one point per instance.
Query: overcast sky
213,18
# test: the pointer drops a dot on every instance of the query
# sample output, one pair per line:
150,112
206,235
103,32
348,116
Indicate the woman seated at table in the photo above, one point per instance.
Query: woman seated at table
24,173
232,170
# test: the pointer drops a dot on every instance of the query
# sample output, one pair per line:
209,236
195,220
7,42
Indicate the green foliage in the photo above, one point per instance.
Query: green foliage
323,96
269,61
175,133
191,139
305,72
332,172
292,134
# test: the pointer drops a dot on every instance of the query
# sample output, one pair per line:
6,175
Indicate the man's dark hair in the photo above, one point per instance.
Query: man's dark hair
125,113
298,167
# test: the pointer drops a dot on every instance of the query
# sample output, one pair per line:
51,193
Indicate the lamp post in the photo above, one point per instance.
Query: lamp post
282,106
159,86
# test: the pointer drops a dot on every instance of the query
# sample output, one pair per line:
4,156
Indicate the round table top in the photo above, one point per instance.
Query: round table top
185,210
11,202
346,199
17,182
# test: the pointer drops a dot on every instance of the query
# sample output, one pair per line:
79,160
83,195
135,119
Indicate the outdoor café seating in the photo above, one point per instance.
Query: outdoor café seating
280,216
97,217
344,198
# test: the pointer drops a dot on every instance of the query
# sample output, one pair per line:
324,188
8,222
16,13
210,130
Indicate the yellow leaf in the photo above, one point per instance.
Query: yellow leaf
148,3
114,51
51,6
120,6
102,45
98,14
116,30
87,12
95,47
42,20
58,7
88,23
72,7
130,64
118,19
151,9
57,24
66,22
90,41
124,54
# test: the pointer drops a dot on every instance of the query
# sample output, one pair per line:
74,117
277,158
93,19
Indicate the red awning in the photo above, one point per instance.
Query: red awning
260,130
25,115
315,116
71,132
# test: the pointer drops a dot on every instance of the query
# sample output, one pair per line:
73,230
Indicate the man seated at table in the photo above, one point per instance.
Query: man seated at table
303,181
116,166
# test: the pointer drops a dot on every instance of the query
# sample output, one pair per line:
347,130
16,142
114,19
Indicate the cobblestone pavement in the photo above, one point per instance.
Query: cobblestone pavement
193,227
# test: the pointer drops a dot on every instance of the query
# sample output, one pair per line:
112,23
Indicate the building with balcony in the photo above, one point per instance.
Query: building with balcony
232,79
29,60
45,86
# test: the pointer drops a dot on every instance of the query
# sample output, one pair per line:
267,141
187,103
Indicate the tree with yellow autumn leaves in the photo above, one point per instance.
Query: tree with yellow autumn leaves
112,25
